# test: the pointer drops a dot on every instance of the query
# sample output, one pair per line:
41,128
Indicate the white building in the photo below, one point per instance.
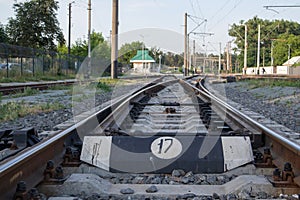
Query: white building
143,63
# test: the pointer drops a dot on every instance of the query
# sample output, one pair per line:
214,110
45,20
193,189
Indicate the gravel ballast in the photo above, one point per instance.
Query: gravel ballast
46,121
280,104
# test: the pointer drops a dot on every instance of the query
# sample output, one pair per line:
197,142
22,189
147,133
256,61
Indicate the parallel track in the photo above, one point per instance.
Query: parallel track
19,87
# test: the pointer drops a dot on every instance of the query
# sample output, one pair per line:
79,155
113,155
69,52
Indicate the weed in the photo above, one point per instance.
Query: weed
272,83
103,86
37,77
13,110
289,103
27,92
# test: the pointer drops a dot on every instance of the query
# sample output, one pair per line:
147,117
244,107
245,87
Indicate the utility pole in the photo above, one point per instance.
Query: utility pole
114,42
194,55
258,50
188,55
245,51
69,37
289,51
89,36
185,45
272,58
227,52
220,58
264,49
230,58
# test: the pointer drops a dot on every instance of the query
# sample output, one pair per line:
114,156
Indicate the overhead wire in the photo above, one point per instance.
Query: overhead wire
228,13
220,9
199,8
192,5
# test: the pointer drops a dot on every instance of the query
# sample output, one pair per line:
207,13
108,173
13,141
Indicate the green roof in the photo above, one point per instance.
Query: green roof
140,57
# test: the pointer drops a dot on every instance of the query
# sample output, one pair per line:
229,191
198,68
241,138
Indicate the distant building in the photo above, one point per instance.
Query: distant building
143,63
290,67
292,61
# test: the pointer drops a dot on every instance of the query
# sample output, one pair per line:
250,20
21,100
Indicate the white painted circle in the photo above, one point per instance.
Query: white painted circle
166,147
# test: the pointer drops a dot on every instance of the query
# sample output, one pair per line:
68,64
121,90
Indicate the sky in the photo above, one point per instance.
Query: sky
160,23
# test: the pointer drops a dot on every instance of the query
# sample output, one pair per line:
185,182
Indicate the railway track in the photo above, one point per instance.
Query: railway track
168,125
11,88
6,89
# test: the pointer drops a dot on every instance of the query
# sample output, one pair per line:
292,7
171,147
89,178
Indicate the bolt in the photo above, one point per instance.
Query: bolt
59,173
21,186
267,151
50,164
34,194
276,174
288,167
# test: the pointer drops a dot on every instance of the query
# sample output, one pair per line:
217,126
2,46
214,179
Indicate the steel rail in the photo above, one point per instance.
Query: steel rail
8,89
28,165
283,150
281,139
35,149
124,104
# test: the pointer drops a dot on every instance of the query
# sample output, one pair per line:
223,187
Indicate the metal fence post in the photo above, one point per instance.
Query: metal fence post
43,62
21,66
33,71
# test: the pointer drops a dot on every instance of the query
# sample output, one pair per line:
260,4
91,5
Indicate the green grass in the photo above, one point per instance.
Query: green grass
14,110
37,78
105,85
99,86
27,92
272,83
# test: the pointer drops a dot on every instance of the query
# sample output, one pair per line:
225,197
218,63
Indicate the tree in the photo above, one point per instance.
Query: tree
62,49
35,25
269,30
171,59
100,48
155,53
3,35
285,44
128,51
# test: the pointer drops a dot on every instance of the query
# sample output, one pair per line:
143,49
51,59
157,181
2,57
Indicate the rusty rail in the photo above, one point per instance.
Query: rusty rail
283,149
29,164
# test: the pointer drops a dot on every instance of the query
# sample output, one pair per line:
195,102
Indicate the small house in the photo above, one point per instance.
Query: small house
143,63
290,67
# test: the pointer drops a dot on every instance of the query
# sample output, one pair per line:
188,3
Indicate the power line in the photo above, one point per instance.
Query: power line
283,6
277,26
234,7
220,9
280,6
199,8
192,7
